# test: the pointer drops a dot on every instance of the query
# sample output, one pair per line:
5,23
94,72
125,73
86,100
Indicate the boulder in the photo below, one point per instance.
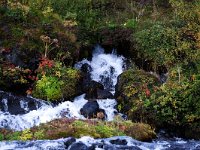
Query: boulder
78,146
69,142
130,85
104,94
98,94
119,142
91,110
17,104
86,68
90,88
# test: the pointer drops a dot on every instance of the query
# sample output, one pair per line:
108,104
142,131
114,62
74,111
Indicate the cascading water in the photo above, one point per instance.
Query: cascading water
104,69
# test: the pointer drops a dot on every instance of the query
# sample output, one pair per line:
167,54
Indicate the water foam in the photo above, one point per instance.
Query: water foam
104,66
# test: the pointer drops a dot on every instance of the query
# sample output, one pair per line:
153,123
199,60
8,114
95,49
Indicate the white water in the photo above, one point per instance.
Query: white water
103,66
175,144
106,65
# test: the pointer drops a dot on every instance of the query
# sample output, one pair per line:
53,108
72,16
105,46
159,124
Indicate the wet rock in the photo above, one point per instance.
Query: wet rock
78,146
86,68
15,58
98,94
91,88
91,110
118,142
95,90
69,142
17,104
104,94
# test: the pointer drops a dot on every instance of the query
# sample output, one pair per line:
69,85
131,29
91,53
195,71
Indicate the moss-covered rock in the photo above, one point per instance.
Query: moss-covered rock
62,128
173,106
131,84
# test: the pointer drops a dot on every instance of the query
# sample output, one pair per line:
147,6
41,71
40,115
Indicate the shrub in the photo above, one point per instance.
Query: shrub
1,137
56,81
13,136
49,88
26,135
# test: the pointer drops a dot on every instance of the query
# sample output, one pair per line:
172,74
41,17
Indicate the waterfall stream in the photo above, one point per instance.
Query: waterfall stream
105,69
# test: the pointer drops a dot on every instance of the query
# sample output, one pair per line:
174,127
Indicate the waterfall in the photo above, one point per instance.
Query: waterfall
105,69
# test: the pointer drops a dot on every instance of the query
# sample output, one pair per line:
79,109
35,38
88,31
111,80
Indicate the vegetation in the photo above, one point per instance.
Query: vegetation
56,82
41,40
62,128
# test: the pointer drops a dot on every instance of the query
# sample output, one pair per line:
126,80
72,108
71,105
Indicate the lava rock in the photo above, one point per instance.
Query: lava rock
118,142
91,110
69,142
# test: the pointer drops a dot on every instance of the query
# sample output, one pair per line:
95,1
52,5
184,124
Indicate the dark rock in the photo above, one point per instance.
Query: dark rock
69,142
86,83
78,146
118,142
17,104
93,147
90,109
90,88
86,68
104,94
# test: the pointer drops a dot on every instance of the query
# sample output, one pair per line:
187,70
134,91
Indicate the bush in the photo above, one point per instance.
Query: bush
174,105
56,82
49,87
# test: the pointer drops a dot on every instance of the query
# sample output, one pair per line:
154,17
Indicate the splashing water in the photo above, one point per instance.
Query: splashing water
101,144
105,69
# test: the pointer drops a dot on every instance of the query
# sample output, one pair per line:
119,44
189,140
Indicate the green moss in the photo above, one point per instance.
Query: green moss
39,134
1,137
13,136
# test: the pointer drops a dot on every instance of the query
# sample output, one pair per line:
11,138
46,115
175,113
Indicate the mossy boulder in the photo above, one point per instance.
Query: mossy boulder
62,128
131,84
